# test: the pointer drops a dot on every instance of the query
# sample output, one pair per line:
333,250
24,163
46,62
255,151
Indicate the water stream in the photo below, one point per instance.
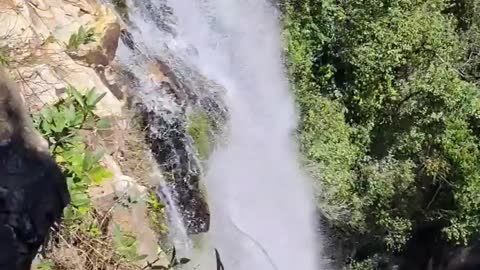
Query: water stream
262,212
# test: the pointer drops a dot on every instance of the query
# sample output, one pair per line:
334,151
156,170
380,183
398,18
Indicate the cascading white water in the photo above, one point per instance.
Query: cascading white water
262,212
261,203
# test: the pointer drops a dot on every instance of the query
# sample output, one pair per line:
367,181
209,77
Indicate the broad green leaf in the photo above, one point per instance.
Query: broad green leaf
78,97
97,99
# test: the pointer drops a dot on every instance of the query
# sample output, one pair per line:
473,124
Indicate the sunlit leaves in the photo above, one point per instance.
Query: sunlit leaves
390,116
61,124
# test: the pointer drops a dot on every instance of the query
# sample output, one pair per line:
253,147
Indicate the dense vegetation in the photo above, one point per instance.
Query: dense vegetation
390,102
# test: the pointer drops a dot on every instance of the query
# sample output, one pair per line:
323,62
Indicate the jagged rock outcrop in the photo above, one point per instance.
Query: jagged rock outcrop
172,146
33,190
35,38
101,52
165,91
166,99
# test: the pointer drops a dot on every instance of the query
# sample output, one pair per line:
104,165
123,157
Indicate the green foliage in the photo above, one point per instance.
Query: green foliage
45,265
126,245
4,60
390,113
156,213
4,56
368,264
325,141
83,36
199,129
60,125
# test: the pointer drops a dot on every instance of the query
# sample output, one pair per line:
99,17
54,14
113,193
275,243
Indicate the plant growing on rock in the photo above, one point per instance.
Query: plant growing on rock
126,245
156,211
85,229
81,37
60,125
4,58
199,129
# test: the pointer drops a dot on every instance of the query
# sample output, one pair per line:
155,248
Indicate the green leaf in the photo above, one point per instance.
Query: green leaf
80,199
68,213
81,33
95,99
73,42
76,94
103,124
45,126
92,159
71,115
98,174
59,123
90,96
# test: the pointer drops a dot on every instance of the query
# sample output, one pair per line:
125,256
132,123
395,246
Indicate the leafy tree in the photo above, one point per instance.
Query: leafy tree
390,113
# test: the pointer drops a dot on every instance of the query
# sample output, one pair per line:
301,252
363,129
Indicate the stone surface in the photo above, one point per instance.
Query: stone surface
164,110
35,34
107,32
113,195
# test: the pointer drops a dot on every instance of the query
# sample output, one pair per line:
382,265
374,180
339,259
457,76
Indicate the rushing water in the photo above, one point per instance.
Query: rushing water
260,201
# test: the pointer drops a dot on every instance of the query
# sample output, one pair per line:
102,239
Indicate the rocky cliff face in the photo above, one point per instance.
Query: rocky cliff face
37,47
48,45
180,134
183,112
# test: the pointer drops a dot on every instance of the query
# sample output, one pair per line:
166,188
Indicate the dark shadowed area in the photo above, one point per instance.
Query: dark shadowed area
33,190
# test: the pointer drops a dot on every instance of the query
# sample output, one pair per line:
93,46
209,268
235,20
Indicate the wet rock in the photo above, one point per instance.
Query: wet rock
164,109
165,91
127,39
170,148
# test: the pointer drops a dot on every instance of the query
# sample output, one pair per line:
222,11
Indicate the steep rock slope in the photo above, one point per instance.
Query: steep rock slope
184,113
48,46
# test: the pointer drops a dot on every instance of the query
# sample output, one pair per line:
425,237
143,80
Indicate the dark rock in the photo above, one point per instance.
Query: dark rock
163,102
127,39
33,193
171,149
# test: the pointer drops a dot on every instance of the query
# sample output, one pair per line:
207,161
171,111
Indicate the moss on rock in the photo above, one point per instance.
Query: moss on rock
199,128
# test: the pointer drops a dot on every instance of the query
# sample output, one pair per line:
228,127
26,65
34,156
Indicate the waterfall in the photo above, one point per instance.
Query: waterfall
262,210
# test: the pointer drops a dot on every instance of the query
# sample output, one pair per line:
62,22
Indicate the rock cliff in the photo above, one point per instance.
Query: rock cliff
48,46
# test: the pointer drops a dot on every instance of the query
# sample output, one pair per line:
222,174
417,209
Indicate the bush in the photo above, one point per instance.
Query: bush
60,125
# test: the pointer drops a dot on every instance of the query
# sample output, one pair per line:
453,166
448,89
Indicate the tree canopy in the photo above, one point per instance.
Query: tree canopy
390,103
